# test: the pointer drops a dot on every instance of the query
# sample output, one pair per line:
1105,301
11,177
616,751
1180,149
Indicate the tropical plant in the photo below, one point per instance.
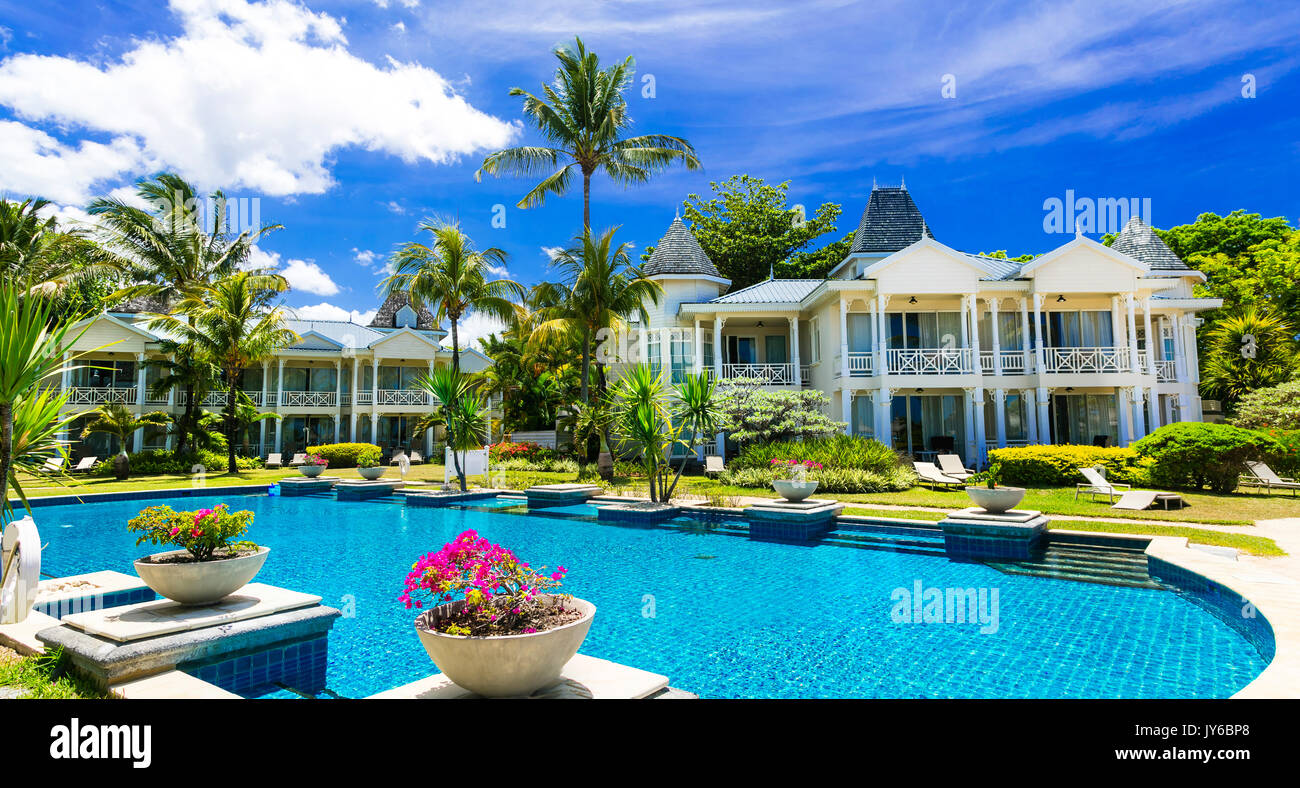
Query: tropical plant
1252,349
32,349
461,412
346,455
56,263
836,451
752,415
232,325
650,416
205,534
117,420
1194,455
582,115
1277,407
450,278
245,415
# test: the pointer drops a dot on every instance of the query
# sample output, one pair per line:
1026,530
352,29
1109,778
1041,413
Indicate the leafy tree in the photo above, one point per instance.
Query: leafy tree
184,369
117,420
1265,275
62,265
1001,254
747,228
450,278
750,414
1232,235
1193,455
1276,407
583,117
650,415
1251,349
818,263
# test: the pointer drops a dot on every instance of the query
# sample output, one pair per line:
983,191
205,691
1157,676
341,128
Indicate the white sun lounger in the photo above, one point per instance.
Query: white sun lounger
397,458
299,459
713,465
1137,500
931,475
273,460
53,465
84,465
951,465
1097,485
415,458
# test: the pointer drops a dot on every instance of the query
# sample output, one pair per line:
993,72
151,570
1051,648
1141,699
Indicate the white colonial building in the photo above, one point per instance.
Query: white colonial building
931,349
341,381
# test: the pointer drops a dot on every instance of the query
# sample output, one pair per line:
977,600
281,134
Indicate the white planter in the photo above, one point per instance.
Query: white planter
311,470
997,500
504,666
200,583
370,474
792,490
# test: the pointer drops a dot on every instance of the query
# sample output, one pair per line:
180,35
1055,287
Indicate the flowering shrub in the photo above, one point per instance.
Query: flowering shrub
315,459
505,450
200,533
796,470
343,455
500,591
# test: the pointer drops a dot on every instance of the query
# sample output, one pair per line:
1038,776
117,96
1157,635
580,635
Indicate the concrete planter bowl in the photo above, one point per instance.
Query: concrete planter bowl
311,470
792,490
200,583
996,500
370,474
504,666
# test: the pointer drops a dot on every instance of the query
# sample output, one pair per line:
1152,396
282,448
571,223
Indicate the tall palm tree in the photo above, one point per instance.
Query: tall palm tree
183,368
1252,349
450,278
37,250
233,325
583,118
117,420
602,289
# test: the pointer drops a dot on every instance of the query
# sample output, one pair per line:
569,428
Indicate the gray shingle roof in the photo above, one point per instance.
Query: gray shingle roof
1139,241
772,291
387,315
891,221
679,253
135,306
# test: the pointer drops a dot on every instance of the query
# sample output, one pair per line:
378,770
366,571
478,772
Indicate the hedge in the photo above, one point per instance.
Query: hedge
1058,466
1287,463
1192,455
831,480
839,451
158,461
342,455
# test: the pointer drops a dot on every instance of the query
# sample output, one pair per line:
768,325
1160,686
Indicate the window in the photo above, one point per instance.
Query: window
708,349
1090,328
405,318
1082,418
929,330
814,341
929,423
863,421
683,355
1009,326
861,333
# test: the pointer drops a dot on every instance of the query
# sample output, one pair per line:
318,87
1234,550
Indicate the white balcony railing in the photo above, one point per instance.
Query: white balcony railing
102,395
1013,362
861,364
1166,371
928,361
1087,359
308,399
216,399
404,397
766,374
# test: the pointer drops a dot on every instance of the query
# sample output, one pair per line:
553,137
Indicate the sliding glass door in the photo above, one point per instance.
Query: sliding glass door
1086,419
928,423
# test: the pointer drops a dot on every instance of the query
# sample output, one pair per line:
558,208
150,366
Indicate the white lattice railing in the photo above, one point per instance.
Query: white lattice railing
767,374
928,361
1166,371
308,399
364,397
217,398
1013,362
1087,359
404,397
102,395
861,364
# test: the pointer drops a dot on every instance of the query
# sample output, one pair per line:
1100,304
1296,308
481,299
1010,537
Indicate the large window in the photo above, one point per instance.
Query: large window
928,423
863,419
861,333
1085,418
1017,432
398,378
1009,331
105,374
683,355
928,330
814,341
1091,328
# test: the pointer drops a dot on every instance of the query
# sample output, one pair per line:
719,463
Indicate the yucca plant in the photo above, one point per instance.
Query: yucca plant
118,420
37,423
460,409
1253,349
650,414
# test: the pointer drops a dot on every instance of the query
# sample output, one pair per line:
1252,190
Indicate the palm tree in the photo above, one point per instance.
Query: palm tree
232,325
461,411
696,413
32,348
246,415
37,250
450,279
183,368
1250,350
603,289
583,116
118,420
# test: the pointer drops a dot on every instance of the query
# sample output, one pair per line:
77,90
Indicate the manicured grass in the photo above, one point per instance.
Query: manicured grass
1254,545
44,676
900,514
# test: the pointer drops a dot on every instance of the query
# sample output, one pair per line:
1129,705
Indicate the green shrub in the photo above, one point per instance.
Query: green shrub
831,480
1271,408
1192,455
546,464
839,451
369,457
1287,462
342,455
160,461
1058,466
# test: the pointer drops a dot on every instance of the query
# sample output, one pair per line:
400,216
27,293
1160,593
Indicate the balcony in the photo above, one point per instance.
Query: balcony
1075,360
1013,362
215,399
928,361
407,397
308,399
102,395
767,374
1166,372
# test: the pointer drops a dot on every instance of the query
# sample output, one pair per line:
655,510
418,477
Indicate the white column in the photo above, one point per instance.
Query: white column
1153,410
643,342
1186,407
1031,416
1125,417
699,348
718,352
882,360
1150,365
1040,354
844,339
137,439
965,325
666,353
1044,415
976,367
338,398
352,417
846,409
981,433
794,350
1000,416
997,339
1129,307
884,403
279,405
429,397
1139,415
971,454
1024,335
267,405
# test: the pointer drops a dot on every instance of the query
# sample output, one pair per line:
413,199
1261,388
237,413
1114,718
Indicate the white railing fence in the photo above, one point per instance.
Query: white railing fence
1087,359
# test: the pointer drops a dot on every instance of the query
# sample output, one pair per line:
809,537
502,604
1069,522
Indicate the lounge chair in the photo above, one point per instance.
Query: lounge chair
397,458
951,465
273,460
85,465
931,475
298,459
1097,485
713,465
1260,475
1137,500
53,465
415,458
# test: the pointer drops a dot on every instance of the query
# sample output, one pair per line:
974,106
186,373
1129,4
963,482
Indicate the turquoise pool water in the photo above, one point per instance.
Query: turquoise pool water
719,614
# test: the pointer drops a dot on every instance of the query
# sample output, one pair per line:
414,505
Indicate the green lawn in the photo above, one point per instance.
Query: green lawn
43,676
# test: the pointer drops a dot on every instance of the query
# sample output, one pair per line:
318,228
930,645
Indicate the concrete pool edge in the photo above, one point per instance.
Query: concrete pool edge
37,502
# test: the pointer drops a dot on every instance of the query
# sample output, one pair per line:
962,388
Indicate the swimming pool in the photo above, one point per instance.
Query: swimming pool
718,613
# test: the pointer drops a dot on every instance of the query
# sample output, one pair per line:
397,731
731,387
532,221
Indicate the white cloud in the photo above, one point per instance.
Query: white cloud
551,252
472,328
308,277
403,3
328,311
236,126
399,27
260,258
395,207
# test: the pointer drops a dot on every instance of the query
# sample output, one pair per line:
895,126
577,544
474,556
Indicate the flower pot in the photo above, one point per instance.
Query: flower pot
370,474
996,500
605,465
200,582
311,470
503,666
793,490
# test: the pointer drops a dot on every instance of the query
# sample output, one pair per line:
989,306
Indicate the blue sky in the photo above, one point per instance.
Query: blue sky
352,120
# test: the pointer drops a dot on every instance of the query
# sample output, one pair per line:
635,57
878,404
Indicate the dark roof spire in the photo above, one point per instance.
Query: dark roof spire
891,221
1139,241
679,253
386,316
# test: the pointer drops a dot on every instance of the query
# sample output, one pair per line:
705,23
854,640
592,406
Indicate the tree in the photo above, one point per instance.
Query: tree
653,417
450,279
748,230
1232,235
32,348
818,263
62,265
245,416
232,325
602,288
582,115
1267,274
118,420
750,414
461,411
1277,408
183,368
1251,349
